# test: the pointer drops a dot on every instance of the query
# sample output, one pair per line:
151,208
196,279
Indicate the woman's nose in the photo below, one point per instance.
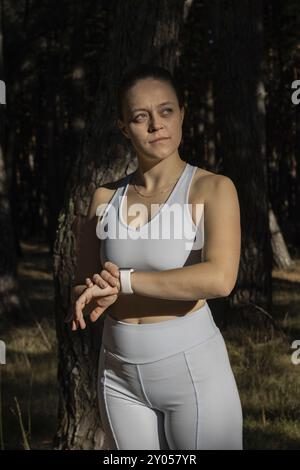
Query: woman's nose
155,123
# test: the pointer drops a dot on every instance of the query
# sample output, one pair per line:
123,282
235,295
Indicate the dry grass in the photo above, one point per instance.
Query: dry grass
268,381
29,386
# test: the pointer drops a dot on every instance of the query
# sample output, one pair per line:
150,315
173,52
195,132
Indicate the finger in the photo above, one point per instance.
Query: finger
83,300
102,277
80,304
112,268
82,323
88,282
99,281
96,292
109,278
74,326
111,297
95,314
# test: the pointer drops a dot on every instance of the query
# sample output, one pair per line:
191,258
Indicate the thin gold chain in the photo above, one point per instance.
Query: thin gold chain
156,192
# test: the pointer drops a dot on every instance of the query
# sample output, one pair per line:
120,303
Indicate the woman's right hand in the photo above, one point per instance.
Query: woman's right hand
102,302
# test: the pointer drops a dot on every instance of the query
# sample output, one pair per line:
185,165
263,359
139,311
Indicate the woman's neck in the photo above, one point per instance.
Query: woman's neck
158,175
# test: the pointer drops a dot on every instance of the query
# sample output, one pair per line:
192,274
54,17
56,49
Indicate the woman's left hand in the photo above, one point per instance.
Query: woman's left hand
109,275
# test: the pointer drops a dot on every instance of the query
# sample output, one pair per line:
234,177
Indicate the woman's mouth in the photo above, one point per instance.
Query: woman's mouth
161,139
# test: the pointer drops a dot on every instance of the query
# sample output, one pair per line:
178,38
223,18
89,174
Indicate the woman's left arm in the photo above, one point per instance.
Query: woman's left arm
216,275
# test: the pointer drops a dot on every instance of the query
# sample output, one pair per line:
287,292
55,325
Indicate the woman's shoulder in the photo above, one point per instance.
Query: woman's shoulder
201,172
213,177
103,194
207,182
106,190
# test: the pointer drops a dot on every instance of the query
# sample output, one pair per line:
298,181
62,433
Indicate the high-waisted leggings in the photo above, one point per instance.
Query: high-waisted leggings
168,385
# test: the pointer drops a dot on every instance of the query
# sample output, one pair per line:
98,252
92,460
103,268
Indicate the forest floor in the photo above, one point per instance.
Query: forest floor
268,379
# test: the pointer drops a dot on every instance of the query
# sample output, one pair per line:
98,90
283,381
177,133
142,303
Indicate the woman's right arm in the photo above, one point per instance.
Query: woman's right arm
87,250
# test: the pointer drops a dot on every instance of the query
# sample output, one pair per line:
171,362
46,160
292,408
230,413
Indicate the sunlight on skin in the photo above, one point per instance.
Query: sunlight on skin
105,284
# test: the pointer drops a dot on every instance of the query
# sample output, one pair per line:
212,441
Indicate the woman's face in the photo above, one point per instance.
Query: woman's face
151,111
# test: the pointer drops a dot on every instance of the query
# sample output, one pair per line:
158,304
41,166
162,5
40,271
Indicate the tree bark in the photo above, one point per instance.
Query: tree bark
241,123
102,157
11,303
281,256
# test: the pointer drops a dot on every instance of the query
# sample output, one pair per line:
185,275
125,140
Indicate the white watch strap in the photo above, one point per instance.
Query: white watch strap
125,280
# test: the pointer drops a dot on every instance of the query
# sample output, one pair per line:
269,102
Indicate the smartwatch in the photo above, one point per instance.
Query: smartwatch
125,281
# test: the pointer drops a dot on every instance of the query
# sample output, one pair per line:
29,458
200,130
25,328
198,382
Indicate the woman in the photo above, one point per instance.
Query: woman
165,379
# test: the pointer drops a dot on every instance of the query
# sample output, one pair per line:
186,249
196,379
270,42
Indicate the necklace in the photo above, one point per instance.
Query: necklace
156,192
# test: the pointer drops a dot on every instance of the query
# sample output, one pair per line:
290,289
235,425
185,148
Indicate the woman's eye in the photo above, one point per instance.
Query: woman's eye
140,115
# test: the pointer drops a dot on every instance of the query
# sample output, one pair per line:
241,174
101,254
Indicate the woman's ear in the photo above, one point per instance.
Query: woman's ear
122,128
182,112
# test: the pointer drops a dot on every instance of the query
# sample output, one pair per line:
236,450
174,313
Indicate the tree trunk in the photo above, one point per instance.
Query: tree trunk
281,256
101,158
76,84
11,304
241,122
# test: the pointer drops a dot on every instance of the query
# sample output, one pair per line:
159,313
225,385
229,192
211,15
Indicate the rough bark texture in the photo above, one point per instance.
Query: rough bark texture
11,304
241,122
140,32
281,256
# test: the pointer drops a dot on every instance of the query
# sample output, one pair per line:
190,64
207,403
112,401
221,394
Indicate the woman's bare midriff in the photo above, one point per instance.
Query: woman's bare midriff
139,309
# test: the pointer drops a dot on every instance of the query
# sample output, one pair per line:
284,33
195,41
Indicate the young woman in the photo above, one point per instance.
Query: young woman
165,379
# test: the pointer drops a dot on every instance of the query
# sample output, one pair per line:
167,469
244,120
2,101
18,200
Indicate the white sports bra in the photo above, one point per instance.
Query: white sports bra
169,240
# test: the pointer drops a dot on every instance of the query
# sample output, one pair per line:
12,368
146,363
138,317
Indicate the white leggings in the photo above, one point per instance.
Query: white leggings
168,385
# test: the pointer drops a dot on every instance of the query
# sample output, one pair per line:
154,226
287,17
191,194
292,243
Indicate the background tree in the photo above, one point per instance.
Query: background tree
102,158
11,302
241,121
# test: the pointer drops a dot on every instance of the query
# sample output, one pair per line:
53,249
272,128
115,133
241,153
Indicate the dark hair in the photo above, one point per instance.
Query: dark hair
141,71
